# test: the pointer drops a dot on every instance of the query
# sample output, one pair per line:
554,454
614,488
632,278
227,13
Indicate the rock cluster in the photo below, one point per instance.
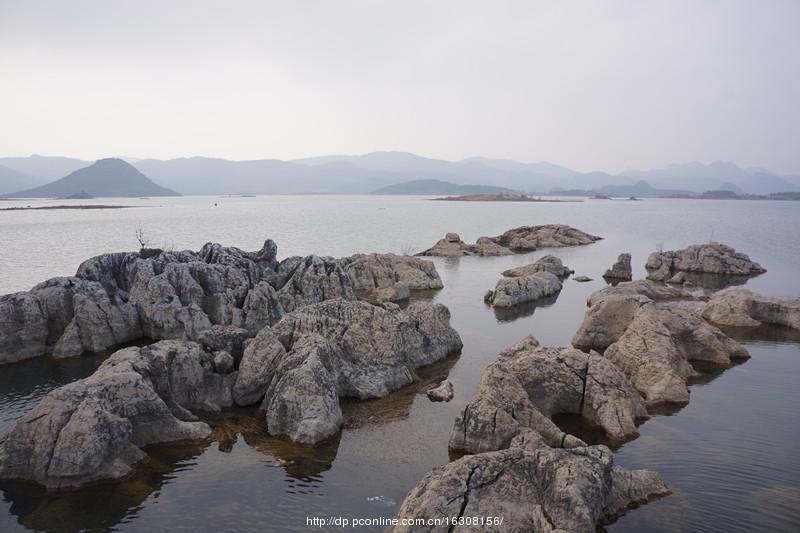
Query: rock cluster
621,270
711,258
548,263
509,292
653,343
517,240
390,277
117,298
744,308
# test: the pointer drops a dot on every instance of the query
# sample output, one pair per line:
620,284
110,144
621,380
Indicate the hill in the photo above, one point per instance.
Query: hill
13,180
428,187
105,178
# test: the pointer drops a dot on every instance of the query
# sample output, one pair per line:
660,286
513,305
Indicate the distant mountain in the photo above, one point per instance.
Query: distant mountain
45,168
437,187
105,178
13,180
728,186
640,188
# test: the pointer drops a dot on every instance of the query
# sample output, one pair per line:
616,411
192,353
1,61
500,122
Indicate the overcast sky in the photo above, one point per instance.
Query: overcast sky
603,85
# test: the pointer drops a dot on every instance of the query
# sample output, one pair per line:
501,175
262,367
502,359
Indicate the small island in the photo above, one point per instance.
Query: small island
502,197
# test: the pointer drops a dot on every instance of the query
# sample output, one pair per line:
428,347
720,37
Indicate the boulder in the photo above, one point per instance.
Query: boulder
441,393
744,308
529,238
452,246
519,394
95,428
396,293
303,365
582,279
711,258
509,292
548,263
379,271
621,270
223,362
573,490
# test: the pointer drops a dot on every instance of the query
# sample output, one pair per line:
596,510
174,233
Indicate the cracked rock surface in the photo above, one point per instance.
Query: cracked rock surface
710,258
621,269
744,308
547,263
529,238
509,292
380,271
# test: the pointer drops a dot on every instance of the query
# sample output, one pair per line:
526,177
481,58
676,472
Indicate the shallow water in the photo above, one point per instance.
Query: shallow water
727,455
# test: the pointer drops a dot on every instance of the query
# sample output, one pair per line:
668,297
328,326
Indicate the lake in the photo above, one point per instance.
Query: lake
728,456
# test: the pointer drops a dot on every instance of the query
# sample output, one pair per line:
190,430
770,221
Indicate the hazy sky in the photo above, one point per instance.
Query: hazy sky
592,85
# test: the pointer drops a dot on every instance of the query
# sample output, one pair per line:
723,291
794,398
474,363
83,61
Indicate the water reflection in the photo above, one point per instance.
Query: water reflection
509,314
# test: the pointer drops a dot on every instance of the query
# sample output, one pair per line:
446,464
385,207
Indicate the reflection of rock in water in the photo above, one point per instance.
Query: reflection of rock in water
508,314
764,333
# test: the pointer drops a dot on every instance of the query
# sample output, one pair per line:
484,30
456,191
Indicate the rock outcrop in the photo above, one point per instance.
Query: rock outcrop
548,263
712,258
621,270
744,308
380,271
529,238
95,428
519,394
509,292
452,246
573,490
305,363
152,294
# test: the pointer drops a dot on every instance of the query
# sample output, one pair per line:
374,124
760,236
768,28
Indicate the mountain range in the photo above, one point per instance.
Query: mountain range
401,171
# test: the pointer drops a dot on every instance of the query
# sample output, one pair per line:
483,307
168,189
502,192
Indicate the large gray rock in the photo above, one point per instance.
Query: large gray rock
621,270
117,298
545,490
303,365
529,238
452,246
95,428
379,271
529,384
744,308
509,292
548,263
711,258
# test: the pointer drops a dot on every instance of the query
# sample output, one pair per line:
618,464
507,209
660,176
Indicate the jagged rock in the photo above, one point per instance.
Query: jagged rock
744,308
621,270
121,297
396,293
378,271
514,291
711,258
320,353
441,393
529,238
95,428
573,490
223,362
548,263
452,246
582,279
529,384
485,246
225,338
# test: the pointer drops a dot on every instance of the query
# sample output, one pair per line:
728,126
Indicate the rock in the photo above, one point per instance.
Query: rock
548,263
572,490
485,246
397,293
442,393
303,365
95,428
223,362
711,258
379,271
229,339
621,270
117,298
529,238
514,291
678,279
744,308
452,246
529,384
582,279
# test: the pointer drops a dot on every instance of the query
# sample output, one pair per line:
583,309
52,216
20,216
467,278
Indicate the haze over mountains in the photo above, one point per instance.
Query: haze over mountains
401,172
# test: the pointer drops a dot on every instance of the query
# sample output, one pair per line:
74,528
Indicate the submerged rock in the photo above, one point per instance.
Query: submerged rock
744,308
95,428
582,279
121,297
313,357
441,393
572,490
548,263
529,238
519,394
621,270
514,291
379,271
711,258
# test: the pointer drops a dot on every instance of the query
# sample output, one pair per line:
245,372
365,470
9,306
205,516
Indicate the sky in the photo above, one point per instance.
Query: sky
593,85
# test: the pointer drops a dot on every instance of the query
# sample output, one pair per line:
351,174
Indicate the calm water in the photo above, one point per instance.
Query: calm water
728,456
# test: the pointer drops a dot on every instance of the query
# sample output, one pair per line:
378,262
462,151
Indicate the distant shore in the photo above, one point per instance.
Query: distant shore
50,207
497,198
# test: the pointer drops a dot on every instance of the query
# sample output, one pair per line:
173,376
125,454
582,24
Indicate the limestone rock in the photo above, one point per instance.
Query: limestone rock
582,279
396,293
452,246
529,238
378,271
744,308
95,428
514,291
572,490
441,393
621,270
548,263
223,362
710,258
